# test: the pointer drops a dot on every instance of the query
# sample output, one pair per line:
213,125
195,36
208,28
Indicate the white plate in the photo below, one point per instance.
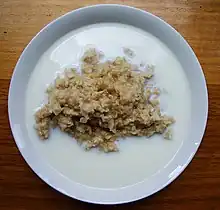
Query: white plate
98,193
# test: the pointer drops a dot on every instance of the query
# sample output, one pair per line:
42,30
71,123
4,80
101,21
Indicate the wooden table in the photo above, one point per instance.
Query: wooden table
197,188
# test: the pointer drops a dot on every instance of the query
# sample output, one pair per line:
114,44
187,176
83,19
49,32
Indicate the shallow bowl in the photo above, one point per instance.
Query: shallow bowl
103,14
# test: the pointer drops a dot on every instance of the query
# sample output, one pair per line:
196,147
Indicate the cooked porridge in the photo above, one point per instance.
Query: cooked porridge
106,101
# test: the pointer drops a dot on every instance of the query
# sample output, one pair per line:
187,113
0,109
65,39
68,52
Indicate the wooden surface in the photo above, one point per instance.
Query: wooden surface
197,188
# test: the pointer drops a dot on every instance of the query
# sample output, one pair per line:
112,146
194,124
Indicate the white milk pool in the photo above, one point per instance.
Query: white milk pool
138,158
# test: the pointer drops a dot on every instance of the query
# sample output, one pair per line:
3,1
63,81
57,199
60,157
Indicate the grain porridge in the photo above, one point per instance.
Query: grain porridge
108,100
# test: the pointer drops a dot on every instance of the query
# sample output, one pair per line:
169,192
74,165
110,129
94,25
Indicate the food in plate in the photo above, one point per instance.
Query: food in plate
103,102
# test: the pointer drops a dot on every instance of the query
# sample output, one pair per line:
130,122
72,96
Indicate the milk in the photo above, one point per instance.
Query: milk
138,158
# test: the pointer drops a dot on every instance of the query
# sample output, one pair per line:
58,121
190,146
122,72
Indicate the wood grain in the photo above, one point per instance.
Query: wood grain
197,188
